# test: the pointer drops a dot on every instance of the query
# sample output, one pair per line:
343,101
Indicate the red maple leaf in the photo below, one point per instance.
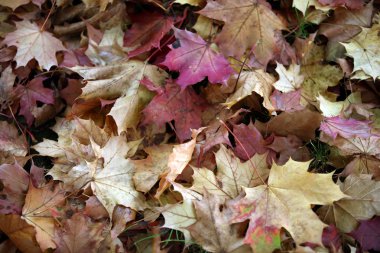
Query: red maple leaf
146,33
31,93
195,60
185,107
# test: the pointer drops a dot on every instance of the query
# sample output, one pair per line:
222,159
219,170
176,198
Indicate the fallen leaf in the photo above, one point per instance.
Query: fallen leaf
232,175
362,48
29,40
301,124
249,141
362,203
286,201
37,211
252,81
346,23
31,93
109,176
249,25
146,34
21,233
195,59
351,4
10,141
290,79
179,216
78,234
177,162
347,128
212,229
170,104
367,234
287,102
149,170
14,183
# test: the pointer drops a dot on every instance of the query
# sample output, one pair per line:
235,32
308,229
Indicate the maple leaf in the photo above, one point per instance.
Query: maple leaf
121,80
30,40
212,229
7,80
14,180
346,23
171,104
286,202
110,175
288,102
363,165
195,59
365,52
306,123
116,79
10,141
149,170
367,234
31,93
252,81
249,24
351,4
347,128
355,146
179,216
290,79
21,233
232,175
303,5
362,203
177,162
317,75
78,234
146,34
37,211
249,141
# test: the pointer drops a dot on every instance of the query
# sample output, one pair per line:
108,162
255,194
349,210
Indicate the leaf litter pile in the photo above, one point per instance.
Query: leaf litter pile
189,126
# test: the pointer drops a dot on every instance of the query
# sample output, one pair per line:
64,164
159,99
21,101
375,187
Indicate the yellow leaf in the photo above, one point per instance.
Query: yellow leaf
252,81
362,204
232,175
286,202
365,51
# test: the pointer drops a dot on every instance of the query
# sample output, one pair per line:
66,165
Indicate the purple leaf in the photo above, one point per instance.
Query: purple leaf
368,234
195,60
347,128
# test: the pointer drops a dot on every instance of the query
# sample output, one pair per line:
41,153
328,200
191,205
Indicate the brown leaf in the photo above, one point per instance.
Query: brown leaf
78,234
37,211
212,229
21,233
301,124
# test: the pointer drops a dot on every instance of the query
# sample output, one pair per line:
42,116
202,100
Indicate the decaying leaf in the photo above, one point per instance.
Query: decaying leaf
237,35
212,230
362,203
78,234
286,202
232,175
37,211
